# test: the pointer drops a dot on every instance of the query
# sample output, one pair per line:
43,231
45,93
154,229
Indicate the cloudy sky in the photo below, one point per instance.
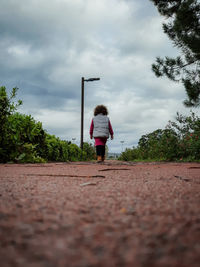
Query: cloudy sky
47,46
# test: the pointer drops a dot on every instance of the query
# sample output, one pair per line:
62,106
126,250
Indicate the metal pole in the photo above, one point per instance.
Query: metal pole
82,111
82,105
122,142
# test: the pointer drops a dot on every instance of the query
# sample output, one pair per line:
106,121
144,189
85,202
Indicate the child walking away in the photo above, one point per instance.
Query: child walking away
100,129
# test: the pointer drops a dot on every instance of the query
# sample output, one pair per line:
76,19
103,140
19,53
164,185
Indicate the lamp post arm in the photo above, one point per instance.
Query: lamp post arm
92,79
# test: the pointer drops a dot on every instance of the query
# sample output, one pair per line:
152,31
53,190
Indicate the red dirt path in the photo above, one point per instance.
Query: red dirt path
93,215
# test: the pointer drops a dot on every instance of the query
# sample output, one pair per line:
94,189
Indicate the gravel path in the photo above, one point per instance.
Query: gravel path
100,215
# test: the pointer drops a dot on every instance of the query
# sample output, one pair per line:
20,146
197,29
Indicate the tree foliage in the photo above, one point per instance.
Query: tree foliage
183,28
7,108
180,140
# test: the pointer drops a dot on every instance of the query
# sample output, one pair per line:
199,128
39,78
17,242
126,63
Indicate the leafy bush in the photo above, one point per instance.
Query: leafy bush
75,153
160,144
29,154
26,136
129,154
89,150
22,139
188,132
55,149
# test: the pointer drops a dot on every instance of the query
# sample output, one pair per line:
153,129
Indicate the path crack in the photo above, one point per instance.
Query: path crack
103,170
65,175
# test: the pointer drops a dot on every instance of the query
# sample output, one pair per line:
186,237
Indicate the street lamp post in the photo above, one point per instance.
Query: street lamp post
82,104
122,142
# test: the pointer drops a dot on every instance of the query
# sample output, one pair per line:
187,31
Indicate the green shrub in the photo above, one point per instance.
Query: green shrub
53,148
188,131
23,130
75,153
129,154
89,151
29,154
22,139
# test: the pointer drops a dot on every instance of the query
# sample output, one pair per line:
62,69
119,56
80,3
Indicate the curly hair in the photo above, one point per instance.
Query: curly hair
100,109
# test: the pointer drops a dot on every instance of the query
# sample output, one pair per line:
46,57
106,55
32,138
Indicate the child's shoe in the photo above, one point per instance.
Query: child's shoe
99,159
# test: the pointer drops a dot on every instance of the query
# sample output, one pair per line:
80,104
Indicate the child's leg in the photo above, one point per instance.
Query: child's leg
98,152
103,153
